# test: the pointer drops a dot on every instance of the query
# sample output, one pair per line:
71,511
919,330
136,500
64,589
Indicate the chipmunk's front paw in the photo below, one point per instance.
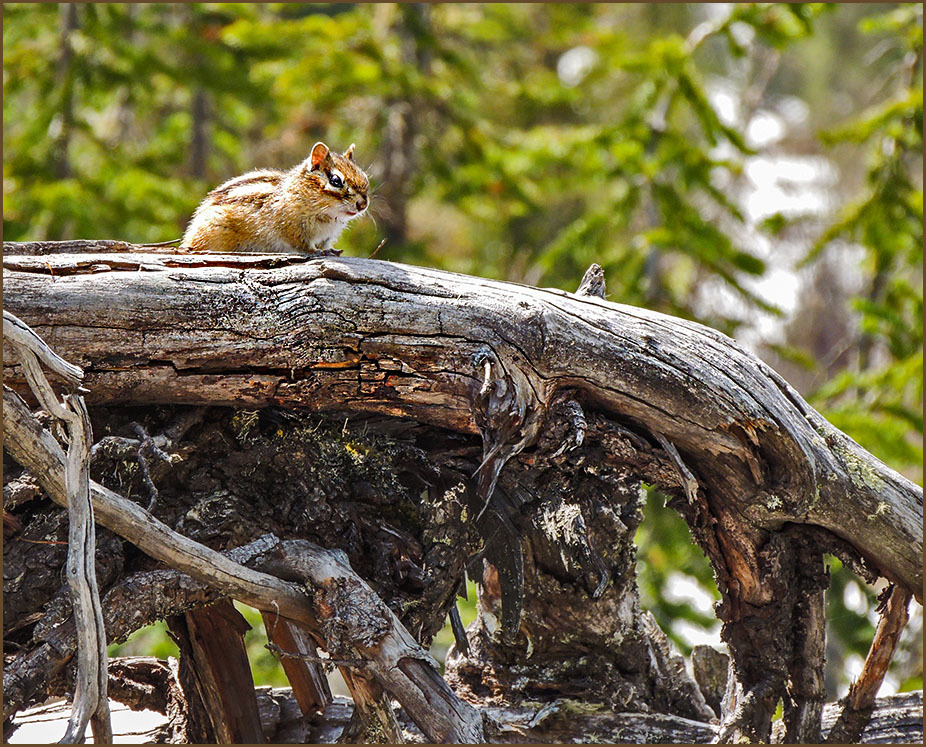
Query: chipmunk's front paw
332,252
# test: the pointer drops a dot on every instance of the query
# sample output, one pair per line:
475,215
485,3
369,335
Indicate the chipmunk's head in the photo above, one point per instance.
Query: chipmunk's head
343,188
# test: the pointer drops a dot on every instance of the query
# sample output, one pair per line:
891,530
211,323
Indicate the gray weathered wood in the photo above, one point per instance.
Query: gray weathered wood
765,483
897,719
366,335
90,700
398,663
394,658
21,336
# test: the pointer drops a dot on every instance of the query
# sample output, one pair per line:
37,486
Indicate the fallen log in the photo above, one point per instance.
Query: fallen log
765,483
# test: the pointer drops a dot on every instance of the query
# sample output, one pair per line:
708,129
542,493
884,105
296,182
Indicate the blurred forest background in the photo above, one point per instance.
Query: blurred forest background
755,167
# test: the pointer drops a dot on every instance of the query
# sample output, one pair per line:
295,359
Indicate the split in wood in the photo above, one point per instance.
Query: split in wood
215,673
308,679
689,481
502,411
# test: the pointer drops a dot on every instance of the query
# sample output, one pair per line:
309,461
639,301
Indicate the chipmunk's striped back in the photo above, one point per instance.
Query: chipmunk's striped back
303,209
255,186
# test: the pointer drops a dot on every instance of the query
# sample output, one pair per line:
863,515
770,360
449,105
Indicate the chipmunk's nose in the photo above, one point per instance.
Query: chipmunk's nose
361,203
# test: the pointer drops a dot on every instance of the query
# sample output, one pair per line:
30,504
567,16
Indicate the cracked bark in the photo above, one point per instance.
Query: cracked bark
760,477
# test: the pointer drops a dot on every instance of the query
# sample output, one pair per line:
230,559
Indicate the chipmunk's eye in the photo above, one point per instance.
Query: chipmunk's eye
335,180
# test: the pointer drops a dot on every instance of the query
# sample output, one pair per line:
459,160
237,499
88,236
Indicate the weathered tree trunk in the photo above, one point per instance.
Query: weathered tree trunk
559,404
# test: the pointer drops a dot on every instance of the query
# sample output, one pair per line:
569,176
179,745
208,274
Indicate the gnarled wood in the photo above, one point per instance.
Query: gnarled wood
765,483
368,335
400,666
90,700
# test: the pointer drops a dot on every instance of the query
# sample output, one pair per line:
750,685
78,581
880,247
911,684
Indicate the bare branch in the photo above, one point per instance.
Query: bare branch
421,690
21,335
396,660
858,703
91,703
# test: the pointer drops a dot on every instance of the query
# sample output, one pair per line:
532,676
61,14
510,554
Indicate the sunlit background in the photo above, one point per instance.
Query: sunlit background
755,167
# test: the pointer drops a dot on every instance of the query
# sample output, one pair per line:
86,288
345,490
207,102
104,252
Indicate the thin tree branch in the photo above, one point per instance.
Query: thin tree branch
19,334
91,703
859,701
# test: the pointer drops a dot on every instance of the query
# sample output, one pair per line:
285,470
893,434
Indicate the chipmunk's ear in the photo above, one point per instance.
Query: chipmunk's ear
319,155
349,153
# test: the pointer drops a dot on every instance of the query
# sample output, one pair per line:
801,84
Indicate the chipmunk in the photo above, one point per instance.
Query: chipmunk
303,209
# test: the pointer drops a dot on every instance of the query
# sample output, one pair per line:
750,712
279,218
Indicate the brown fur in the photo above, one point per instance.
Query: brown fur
297,210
